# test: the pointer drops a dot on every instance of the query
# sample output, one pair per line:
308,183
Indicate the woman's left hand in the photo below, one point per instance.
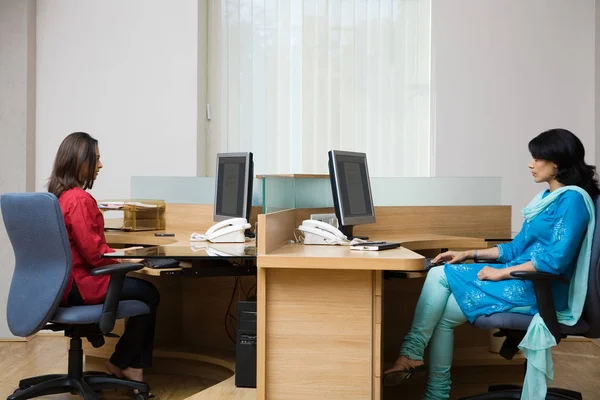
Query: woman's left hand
488,273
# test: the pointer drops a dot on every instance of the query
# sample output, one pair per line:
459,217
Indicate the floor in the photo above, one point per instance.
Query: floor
577,366
47,355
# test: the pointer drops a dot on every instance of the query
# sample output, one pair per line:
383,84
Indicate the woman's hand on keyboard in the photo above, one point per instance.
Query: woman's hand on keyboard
451,257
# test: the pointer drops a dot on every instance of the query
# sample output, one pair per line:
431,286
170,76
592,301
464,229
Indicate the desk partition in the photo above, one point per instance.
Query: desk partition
183,189
314,191
283,192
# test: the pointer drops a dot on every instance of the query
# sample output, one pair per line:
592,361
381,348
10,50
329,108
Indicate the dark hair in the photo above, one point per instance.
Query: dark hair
563,148
76,156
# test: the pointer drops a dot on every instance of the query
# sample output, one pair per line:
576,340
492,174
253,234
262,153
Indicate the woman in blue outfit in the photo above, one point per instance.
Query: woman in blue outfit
458,292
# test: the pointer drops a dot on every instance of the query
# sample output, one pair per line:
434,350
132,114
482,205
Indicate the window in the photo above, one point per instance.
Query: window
290,80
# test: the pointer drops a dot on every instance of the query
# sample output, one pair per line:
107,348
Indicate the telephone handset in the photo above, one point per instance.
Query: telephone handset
227,231
319,232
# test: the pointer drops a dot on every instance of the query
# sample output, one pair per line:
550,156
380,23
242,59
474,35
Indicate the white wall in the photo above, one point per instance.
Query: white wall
125,72
597,83
505,71
17,121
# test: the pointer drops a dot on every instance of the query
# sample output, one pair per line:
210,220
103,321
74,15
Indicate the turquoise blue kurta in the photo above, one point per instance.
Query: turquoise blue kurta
551,241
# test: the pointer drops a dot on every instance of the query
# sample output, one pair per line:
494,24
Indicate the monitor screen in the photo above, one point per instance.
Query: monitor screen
233,187
351,188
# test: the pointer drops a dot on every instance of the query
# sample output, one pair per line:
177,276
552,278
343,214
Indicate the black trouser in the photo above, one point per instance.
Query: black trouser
135,346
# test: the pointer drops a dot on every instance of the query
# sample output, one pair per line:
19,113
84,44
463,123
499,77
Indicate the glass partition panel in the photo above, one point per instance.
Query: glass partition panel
315,192
278,193
183,189
468,191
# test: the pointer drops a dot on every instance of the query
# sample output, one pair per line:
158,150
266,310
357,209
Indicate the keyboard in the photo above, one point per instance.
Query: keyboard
160,263
429,264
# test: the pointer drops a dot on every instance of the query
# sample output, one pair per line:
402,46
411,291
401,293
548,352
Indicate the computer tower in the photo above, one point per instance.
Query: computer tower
245,347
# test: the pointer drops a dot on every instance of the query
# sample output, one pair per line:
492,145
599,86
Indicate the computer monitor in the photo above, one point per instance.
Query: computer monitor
233,186
351,189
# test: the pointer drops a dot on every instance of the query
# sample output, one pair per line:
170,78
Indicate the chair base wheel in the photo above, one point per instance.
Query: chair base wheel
88,387
502,392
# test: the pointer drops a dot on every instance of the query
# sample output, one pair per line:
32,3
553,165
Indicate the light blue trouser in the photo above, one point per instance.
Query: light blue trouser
436,316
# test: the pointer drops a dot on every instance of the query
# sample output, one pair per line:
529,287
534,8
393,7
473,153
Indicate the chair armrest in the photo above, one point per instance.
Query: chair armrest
539,276
111,302
116,268
542,284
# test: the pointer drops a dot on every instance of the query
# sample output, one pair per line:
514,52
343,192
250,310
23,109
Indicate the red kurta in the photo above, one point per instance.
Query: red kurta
85,227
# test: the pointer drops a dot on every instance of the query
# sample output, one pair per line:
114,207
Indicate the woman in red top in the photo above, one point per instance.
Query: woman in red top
75,169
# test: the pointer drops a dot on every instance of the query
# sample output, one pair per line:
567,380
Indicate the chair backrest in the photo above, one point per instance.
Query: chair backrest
591,310
36,229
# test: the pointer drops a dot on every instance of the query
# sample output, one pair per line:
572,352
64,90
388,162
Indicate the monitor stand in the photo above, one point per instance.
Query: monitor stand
347,230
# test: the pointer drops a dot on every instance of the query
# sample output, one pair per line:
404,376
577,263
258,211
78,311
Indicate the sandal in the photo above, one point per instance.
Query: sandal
148,396
395,378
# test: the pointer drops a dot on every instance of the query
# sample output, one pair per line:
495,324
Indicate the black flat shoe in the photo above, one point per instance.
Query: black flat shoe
395,378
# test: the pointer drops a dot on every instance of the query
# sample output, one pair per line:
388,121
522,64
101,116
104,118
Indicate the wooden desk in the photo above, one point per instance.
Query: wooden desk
346,303
341,257
320,310
198,259
190,316
190,329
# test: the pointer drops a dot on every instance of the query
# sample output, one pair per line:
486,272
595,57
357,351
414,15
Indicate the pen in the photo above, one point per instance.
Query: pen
164,234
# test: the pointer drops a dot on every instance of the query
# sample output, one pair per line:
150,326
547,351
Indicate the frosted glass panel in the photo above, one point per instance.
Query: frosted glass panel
281,193
278,194
313,192
183,189
316,192
437,191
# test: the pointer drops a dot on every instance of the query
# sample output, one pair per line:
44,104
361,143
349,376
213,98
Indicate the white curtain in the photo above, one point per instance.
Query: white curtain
291,79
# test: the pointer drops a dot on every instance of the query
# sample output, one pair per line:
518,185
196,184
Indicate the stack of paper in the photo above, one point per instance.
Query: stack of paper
118,205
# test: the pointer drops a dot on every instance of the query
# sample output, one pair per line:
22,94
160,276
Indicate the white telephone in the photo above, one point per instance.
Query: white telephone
319,232
227,231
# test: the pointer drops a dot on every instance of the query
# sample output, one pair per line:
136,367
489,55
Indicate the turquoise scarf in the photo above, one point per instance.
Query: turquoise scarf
538,341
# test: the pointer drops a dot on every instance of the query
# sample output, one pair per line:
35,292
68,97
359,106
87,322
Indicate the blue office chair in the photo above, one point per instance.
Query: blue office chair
36,230
513,326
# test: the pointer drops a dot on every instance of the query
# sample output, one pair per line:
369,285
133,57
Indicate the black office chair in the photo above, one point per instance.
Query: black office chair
514,326
36,230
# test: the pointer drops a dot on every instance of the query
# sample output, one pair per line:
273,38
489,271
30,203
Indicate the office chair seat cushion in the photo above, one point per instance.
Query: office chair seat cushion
521,322
80,315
